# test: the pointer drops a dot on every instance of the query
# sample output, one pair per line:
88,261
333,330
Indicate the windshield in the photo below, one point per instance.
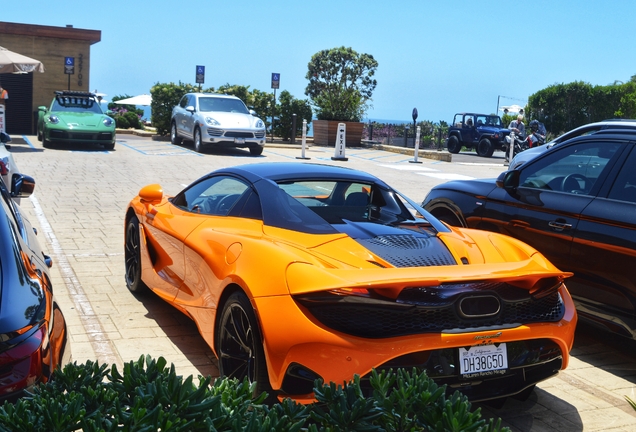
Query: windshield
341,201
210,104
76,104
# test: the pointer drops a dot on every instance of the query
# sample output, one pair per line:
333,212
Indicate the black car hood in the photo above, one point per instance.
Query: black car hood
473,187
402,245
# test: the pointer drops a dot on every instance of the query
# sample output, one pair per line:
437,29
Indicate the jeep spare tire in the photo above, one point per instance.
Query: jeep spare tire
453,144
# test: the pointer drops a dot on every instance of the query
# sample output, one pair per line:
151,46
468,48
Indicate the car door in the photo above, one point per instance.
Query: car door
603,253
552,191
207,249
189,117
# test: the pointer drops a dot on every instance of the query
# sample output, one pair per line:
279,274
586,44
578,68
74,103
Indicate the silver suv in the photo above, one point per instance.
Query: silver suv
215,119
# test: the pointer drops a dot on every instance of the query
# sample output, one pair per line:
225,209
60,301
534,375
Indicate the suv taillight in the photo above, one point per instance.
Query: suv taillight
3,168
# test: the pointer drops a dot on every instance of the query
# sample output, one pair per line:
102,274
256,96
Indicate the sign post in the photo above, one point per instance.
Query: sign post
341,143
200,76
275,85
69,69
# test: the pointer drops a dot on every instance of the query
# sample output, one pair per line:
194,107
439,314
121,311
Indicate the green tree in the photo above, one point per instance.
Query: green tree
288,106
341,83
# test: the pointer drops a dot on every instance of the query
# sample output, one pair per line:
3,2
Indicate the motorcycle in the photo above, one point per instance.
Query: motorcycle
534,139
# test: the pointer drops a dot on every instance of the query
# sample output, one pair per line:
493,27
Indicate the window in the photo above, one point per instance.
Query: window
624,188
212,196
572,169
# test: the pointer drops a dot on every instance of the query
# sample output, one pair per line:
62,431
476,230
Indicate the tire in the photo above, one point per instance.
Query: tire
46,143
239,344
110,146
132,257
256,150
453,144
174,137
485,148
449,217
40,135
197,140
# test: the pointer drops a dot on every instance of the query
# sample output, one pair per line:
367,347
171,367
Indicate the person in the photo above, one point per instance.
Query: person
518,127
469,122
3,95
537,137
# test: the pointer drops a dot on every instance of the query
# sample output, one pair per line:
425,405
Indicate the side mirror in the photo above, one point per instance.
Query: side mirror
42,109
22,185
253,113
151,194
190,108
109,112
508,180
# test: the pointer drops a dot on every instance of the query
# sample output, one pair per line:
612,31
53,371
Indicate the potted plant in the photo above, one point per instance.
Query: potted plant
340,86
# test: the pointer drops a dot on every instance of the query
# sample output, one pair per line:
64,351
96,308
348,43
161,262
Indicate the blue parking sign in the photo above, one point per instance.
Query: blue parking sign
69,65
275,80
200,76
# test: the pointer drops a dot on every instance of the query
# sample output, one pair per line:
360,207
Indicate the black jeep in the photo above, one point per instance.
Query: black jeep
481,132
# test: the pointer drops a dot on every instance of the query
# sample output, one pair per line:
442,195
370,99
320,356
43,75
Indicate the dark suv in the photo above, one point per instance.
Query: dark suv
575,203
482,132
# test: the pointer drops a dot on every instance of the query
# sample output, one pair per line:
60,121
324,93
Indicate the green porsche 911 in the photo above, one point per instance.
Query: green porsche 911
75,117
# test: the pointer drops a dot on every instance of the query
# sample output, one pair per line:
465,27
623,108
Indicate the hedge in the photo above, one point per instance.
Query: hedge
150,396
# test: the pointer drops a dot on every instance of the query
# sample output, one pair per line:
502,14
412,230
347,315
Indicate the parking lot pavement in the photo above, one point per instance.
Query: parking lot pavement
78,207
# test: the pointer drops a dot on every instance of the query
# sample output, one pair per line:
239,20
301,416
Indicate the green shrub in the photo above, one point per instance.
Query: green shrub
150,396
121,121
288,106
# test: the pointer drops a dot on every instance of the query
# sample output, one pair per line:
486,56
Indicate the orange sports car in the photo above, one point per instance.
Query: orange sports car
294,272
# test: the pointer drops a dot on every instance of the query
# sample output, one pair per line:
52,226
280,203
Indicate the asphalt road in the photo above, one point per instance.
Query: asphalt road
79,204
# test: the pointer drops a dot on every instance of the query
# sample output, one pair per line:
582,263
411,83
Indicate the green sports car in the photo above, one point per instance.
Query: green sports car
75,117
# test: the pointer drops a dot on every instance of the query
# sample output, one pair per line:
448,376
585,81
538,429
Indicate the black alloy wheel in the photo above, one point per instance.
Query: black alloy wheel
239,345
453,144
132,257
485,148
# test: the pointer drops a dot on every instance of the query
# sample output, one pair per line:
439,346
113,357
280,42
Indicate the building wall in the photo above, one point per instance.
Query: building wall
50,45
51,52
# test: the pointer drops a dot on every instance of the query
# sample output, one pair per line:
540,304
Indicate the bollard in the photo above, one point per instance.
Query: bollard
341,143
511,149
304,141
293,131
416,146
370,131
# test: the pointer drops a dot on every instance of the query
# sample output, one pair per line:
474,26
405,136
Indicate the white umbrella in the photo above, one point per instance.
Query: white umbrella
512,108
12,62
143,99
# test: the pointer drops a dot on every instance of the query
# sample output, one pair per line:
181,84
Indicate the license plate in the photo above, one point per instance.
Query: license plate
483,360
239,140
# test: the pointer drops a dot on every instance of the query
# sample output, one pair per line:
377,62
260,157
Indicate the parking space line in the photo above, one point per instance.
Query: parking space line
99,339
28,141
158,149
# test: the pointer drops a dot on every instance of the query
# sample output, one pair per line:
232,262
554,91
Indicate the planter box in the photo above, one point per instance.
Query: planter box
326,131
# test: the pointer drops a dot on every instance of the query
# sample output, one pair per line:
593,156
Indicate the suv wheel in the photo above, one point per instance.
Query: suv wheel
485,148
197,140
453,144
256,150
174,137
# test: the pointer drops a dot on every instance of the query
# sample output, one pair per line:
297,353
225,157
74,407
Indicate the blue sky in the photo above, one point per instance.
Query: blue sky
440,57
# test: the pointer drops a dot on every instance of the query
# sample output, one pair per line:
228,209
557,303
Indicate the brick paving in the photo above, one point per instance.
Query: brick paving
78,207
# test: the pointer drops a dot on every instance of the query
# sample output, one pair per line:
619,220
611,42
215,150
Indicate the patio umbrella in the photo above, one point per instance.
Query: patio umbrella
143,99
12,62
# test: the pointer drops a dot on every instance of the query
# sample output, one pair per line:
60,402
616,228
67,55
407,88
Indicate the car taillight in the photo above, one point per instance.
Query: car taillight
21,365
4,170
